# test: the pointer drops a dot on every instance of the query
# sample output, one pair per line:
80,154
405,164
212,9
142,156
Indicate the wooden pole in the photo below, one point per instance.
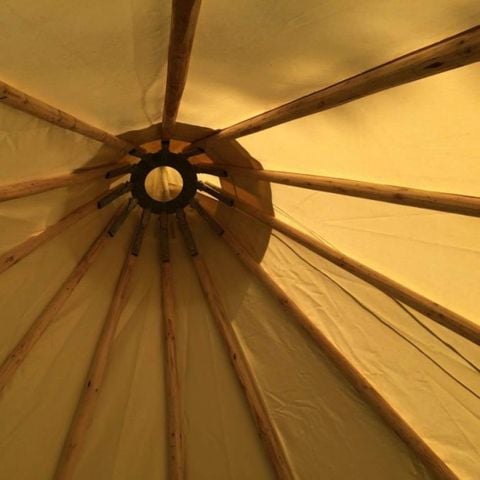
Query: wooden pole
363,386
20,251
182,31
172,385
122,216
436,312
414,197
214,192
453,52
21,101
18,354
265,426
26,188
85,410
114,193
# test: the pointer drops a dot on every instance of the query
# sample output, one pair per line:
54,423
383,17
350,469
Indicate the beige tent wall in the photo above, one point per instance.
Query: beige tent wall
219,431
309,402
101,61
105,62
390,347
35,412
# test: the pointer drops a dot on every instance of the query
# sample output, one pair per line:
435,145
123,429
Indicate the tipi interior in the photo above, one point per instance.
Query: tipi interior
240,240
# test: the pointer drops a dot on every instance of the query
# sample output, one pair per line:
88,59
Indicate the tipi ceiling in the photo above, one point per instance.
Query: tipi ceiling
239,240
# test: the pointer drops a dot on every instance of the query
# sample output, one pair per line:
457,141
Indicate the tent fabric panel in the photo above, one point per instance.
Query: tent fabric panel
360,321
24,217
219,430
112,77
32,148
433,253
423,134
37,406
310,403
127,438
28,286
282,50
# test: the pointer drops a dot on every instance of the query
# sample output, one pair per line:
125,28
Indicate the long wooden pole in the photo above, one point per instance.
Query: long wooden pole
182,32
84,412
445,202
453,52
18,354
265,426
20,251
26,188
433,310
172,385
364,387
21,101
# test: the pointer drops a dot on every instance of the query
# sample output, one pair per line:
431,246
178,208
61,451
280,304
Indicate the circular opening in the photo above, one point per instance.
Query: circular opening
163,184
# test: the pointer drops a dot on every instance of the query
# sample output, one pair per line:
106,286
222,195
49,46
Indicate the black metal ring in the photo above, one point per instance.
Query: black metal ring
164,158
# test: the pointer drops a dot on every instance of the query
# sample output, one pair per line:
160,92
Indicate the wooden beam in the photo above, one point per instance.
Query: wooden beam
351,373
114,193
182,31
174,403
140,232
433,310
26,188
245,375
453,52
18,354
20,251
21,101
214,192
122,216
414,197
85,410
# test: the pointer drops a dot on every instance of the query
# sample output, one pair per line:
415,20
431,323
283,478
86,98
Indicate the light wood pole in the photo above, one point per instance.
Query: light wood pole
243,370
414,197
26,188
453,52
176,458
433,310
367,390
18,354
182,32
85,410
21,101
20,251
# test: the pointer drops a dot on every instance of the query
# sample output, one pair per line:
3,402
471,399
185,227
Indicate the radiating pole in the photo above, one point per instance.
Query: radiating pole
182,32
266,428
353,375
20,251
140,232
123,170
18,354
21,101
34,186
216,193
113,194
122,217
84,413
414,197
193,152
172,385
453,52
433,310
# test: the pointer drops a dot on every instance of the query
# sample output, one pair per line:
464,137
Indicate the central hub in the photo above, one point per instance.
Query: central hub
174,198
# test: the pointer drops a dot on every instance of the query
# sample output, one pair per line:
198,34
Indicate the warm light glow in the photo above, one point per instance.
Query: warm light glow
163,184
